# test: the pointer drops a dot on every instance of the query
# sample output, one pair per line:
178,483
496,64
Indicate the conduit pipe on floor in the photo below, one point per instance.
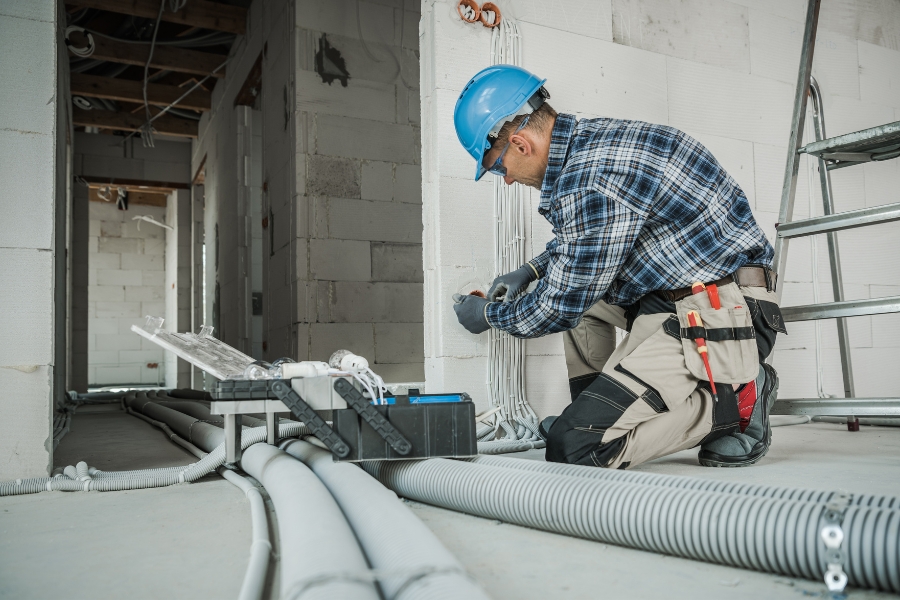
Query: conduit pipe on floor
409,560
679,481
261,548
764,534
320,557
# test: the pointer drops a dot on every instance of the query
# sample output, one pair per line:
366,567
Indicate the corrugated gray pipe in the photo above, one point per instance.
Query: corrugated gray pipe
319,554
678,481
764,534
409,561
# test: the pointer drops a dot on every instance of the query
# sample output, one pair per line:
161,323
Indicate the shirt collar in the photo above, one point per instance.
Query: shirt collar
559,148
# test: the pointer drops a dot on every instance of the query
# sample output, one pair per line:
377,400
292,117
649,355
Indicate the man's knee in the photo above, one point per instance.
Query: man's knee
577,435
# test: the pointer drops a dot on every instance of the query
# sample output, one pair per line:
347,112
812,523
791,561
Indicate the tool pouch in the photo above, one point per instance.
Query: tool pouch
730,338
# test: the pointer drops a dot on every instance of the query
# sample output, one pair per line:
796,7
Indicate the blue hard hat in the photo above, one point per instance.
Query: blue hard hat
491,98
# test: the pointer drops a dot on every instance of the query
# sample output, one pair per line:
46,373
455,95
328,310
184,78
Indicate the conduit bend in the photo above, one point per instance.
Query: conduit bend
678,481
319,553
411,562
765,534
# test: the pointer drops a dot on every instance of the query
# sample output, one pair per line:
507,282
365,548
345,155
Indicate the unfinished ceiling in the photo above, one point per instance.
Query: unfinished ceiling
113,49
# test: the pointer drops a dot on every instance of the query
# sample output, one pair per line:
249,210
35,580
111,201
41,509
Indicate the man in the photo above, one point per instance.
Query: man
640,212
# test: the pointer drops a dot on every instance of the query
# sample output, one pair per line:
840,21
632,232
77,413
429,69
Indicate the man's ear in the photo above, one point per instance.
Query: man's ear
521,144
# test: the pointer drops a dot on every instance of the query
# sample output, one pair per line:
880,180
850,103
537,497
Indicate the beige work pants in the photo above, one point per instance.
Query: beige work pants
646,398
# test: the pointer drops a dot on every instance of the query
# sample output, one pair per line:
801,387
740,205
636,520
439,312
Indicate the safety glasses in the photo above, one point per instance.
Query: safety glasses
497,168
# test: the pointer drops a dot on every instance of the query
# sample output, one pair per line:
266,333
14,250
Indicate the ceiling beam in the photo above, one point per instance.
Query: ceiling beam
196,13
126,90
135,185
106,119
169,58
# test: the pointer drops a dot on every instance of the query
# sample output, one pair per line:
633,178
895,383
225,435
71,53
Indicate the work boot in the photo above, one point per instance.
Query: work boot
747,446
544,427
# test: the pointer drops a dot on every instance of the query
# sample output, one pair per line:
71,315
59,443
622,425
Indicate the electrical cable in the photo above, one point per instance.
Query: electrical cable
514,427
146,130
80,52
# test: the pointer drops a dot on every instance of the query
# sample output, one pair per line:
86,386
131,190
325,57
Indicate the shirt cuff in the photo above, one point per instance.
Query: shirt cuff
539,263
491,314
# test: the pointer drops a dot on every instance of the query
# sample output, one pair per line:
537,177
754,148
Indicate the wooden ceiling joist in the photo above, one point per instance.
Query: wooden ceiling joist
196,13
136,185
106,119
125,90
180,60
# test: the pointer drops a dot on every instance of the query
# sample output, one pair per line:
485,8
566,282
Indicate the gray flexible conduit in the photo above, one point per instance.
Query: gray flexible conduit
412,563
678,481
318,551
765,534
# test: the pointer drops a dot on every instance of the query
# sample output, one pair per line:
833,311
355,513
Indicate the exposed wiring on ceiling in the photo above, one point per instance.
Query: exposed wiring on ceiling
166,109
150,219
176,5
214,38
103,194
146,129
80,52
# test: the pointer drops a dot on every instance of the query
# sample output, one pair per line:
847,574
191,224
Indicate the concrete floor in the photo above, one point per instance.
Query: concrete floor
193,541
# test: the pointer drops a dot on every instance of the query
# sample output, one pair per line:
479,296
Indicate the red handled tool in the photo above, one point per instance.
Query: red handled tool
695,321
712,290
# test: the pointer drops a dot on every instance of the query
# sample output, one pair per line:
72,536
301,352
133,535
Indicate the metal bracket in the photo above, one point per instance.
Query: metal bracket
302,410
833,536
382,426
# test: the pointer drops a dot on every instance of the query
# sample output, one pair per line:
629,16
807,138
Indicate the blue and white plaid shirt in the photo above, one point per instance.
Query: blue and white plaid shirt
635,207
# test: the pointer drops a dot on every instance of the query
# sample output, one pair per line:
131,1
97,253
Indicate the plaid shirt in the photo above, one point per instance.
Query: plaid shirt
635,207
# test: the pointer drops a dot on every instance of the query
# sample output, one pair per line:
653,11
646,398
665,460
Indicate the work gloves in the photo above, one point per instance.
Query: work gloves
470,312
511,285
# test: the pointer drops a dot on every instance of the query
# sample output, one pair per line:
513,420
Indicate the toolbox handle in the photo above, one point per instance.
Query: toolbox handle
382,426
303,411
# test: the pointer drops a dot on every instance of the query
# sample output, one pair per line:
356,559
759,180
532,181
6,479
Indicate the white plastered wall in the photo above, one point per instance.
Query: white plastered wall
32,139
722,71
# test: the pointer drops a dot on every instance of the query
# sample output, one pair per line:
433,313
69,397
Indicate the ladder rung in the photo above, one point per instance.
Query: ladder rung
840,221
872,140
839,407
847,308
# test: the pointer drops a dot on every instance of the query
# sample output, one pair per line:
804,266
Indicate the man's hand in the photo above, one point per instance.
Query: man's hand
470,312
511,285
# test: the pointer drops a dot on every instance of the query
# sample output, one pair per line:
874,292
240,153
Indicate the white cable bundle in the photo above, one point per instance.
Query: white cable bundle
514,426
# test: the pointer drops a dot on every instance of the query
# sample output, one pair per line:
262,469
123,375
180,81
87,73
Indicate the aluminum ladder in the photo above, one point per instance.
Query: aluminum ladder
876,143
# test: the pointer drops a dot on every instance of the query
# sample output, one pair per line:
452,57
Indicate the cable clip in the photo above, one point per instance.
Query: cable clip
833,535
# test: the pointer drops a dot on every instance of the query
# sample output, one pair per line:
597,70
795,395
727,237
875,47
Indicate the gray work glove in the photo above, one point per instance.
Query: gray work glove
511,285
470,312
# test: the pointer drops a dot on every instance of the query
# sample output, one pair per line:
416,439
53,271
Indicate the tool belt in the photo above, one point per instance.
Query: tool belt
747,276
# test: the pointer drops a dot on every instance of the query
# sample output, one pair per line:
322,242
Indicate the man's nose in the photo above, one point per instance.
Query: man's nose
509,180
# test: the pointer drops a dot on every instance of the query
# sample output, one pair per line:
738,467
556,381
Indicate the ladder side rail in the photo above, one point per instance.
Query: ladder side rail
789,187
834,256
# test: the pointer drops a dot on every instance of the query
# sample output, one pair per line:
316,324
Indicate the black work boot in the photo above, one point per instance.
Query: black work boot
740,449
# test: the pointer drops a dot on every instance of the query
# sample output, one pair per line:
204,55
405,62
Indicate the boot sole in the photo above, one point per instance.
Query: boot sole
711,459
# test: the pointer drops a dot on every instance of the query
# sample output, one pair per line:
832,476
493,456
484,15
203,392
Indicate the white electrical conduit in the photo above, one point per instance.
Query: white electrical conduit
410,563
773,535
261,548
318,551
515,427
679,481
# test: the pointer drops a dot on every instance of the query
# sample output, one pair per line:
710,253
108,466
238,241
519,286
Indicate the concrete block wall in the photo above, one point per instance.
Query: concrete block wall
177,286
341,250
33,175
722,71
358,230
126,282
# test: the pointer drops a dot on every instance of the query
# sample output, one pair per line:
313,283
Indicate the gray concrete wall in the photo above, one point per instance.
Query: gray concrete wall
358,206
32,151
126,276
178,281
126,266
341,186
724,72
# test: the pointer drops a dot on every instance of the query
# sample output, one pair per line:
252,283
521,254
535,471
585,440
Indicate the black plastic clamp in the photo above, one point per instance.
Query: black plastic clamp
302,410
382,426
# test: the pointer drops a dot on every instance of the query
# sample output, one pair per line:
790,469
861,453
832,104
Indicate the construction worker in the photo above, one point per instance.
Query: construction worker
639,212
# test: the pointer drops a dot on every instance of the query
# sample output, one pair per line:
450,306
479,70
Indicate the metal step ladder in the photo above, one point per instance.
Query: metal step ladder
877,143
